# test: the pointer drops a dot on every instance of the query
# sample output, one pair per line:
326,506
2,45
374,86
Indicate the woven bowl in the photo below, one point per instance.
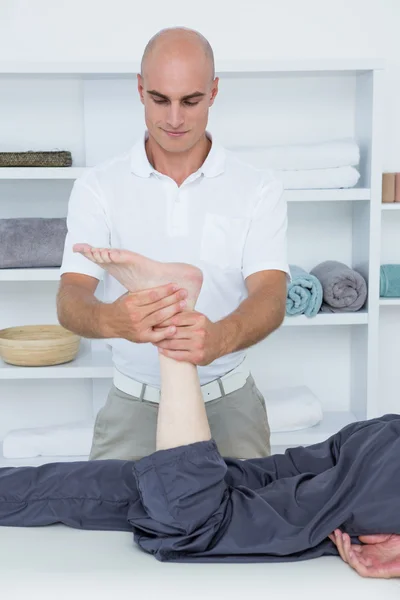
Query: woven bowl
38,345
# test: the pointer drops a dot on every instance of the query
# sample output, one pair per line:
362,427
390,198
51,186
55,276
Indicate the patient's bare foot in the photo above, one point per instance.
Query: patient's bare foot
137,272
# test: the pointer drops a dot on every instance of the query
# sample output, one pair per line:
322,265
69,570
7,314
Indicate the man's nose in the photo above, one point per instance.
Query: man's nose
175,116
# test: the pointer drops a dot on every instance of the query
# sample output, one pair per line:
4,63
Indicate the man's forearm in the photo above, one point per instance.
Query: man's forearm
80,312
254,319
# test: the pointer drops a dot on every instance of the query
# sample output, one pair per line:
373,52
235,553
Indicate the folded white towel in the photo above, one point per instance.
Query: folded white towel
292,408
60,440
324,155
340,177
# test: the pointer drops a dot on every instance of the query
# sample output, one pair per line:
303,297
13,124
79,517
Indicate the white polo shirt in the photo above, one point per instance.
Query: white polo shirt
228,218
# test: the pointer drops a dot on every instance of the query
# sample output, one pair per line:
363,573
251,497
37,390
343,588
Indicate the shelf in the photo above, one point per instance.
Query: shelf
390,206
389,301
87,365
350,318
130,69
331,423
321,319
322,195
41,172
98,364
328,195
50,274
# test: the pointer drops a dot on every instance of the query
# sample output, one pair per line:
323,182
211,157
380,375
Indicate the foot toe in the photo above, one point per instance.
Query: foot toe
96,255
115,255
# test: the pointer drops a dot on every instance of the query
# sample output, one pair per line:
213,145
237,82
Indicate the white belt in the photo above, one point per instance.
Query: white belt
232,381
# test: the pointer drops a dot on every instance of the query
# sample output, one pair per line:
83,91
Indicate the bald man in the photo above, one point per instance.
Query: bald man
178,196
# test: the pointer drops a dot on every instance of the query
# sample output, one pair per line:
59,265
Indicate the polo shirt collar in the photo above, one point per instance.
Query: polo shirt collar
213,165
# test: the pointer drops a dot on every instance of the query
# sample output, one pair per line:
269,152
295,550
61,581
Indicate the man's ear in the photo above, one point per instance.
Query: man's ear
214,90
140,87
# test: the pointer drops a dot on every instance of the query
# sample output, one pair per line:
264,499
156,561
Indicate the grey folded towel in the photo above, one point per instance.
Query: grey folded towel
344,289
32,242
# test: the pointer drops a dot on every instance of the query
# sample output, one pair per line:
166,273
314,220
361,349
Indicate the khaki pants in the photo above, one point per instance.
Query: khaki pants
126,427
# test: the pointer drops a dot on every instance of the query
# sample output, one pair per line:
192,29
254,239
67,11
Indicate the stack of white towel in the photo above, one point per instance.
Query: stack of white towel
289,409
324,165
74,439
292,408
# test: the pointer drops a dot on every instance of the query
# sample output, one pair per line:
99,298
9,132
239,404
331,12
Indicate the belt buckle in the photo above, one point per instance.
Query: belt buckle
212,385
151,390
142,392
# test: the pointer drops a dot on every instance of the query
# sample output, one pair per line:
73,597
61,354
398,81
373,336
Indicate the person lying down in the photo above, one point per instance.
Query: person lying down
185,502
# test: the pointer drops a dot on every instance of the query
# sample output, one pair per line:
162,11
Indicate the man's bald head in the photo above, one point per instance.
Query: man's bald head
177,87
175,41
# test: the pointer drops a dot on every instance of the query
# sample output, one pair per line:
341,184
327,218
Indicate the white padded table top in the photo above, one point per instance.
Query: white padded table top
59,562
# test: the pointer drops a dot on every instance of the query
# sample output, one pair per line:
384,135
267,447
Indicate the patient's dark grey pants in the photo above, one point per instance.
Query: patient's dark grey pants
188,503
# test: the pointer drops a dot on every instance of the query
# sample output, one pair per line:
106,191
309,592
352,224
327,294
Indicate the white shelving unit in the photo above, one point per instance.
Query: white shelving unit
41,173
92,109
389,301
391,206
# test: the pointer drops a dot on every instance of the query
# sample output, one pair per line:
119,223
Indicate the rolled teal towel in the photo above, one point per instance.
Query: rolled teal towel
304,293
390,281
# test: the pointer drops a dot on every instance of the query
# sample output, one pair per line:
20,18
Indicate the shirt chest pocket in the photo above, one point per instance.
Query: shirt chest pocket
223,240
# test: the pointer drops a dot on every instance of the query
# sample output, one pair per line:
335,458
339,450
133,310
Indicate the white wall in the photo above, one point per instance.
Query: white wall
43,30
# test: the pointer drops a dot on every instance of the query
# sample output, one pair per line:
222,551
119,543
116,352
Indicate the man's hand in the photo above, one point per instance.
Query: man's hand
135,315
378,556
197,339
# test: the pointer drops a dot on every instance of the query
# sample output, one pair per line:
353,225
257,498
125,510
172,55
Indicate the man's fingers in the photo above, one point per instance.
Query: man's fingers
157,336
176,344
180,320
166,292
181,332
156,318
176,355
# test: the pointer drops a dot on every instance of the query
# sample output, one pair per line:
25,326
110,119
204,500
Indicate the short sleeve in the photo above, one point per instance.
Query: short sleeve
266,243
86,223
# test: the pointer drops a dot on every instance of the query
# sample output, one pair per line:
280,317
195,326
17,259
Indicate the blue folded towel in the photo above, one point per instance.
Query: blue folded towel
390,281
304,293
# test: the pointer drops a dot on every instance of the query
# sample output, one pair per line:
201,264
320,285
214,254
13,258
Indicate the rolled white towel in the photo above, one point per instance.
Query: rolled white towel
293,157
320,179
292,408
59,440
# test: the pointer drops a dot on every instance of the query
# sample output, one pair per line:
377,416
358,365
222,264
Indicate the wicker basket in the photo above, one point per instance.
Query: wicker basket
36,159
38,345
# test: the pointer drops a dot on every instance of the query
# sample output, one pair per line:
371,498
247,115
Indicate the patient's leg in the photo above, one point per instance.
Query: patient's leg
93,495
182,417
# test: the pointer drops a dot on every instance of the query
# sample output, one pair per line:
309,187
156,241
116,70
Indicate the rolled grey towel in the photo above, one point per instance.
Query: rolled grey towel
32,242
344,289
